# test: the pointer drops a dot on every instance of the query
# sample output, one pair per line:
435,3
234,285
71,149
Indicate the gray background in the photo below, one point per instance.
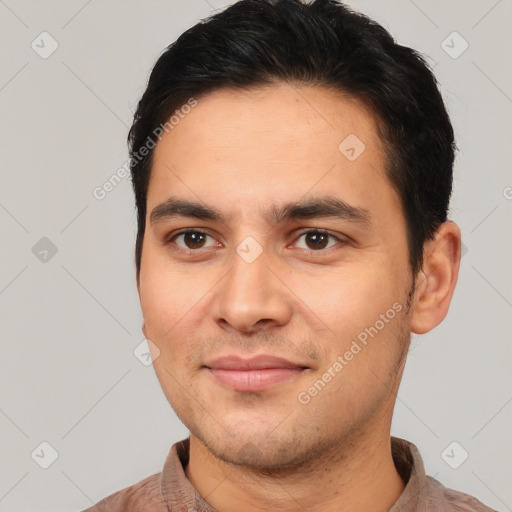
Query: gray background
70,320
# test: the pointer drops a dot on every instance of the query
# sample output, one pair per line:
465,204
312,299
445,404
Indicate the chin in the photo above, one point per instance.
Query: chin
257,449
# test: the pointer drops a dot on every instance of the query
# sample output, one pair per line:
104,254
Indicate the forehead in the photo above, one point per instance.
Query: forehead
275,143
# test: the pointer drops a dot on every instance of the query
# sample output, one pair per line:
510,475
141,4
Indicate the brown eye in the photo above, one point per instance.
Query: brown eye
315,240
193,240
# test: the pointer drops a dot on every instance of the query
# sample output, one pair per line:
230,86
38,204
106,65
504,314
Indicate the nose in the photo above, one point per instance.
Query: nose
251,297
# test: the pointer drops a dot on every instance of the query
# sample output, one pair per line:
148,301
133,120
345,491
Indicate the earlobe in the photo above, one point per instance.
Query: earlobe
436,281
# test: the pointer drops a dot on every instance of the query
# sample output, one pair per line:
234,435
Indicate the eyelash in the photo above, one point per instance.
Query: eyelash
318,231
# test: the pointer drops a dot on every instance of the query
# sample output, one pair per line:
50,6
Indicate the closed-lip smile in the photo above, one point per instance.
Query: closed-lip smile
252,374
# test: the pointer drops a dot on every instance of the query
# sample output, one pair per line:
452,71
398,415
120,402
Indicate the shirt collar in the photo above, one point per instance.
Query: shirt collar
180,495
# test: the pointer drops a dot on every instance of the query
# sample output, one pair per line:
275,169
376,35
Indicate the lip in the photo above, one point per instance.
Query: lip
253,374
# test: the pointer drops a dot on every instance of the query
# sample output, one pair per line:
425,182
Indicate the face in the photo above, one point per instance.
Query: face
274,275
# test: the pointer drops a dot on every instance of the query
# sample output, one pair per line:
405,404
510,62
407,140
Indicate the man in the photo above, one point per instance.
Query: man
292,169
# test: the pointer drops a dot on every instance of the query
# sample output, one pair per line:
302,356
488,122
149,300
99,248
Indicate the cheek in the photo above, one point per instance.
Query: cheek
347,299
174,305
168,293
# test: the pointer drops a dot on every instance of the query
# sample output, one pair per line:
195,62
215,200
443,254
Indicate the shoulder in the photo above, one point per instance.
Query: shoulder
439,498
144,496
424,493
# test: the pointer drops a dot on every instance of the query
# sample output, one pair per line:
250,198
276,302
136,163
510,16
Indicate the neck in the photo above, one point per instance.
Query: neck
360,476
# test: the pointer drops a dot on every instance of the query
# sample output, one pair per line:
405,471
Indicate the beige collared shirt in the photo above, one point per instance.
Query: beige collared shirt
171,491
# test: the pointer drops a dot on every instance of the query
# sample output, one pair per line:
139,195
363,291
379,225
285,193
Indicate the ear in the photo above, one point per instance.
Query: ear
143,322
435,283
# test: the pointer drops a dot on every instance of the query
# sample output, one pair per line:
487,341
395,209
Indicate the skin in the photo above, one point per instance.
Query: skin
243,153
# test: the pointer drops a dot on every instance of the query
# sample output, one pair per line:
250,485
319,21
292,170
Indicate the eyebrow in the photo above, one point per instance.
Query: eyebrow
172,208
327,206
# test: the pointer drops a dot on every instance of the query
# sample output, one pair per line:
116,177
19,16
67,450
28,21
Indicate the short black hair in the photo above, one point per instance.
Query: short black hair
323,43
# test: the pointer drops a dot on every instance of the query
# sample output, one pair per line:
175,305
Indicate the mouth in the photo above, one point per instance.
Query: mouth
253,374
